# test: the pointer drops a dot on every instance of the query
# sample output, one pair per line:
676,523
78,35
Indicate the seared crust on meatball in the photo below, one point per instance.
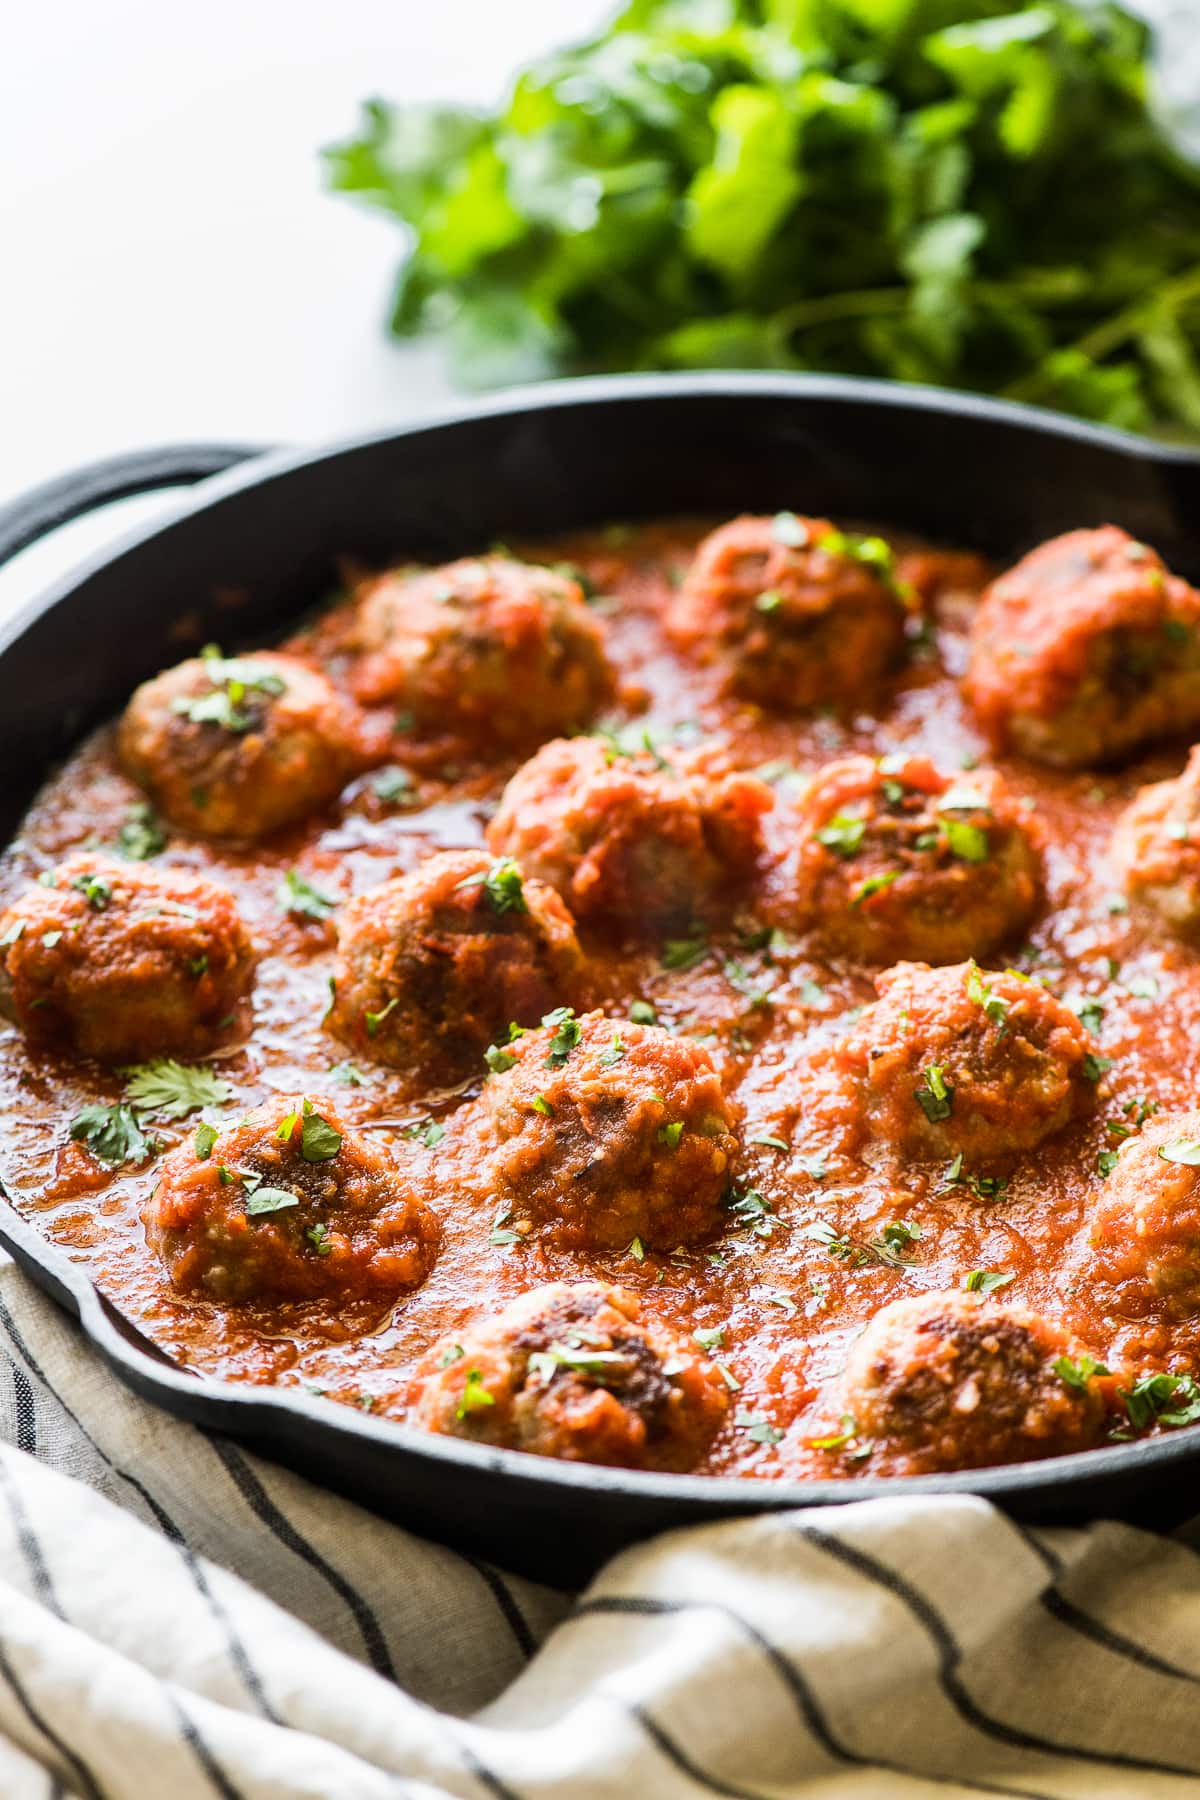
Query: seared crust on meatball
569,1370
122,962
898,861
608,1132
963,1060
500,651
1156,848
235,747
799,614
434,965
1086,650
629,842
289,1204
1145,1232
948,1381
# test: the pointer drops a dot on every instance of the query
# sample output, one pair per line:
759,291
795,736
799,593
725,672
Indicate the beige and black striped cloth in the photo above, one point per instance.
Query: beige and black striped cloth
180,1621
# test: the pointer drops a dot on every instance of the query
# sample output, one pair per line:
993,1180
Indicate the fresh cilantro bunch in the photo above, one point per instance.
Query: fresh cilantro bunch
948,191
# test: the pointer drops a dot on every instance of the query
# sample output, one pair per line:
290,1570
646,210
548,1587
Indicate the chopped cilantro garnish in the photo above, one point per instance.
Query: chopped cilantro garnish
373,1020
301,900
233,682
112,1133
503,886
501,1232
846,1438
894,1240
475,1396
1090,1013
1107,1161
1170,1400
318,1237
319,1142
1077,1374
713,1338
394,786
980,991
270,1200
347,1074
642,1013
451,1354
749,1209
671,1134
425,1131
1093,1067
986,1281
968,842
540,1104
567,1032
175,1089
758,1428
614,1053
936,1097
843,834
771,1143
141,835
95,890
637,1250
875,884
205,1138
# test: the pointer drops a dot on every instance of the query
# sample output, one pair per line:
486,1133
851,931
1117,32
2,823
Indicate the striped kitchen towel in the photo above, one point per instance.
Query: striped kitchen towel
179,1621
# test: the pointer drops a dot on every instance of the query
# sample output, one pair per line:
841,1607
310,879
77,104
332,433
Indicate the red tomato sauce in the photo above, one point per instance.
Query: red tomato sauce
788,1305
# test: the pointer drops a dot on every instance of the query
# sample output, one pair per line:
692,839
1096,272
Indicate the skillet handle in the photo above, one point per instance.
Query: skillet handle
43,509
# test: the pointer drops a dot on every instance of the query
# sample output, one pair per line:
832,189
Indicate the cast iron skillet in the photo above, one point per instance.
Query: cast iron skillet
982,474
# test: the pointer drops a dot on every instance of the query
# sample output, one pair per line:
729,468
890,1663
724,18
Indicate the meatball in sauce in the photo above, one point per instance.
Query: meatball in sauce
715,995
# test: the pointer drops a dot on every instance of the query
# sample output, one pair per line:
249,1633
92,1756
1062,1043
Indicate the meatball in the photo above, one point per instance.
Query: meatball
1086,650
1145,1232
500,651
949,1381
1156,848
434,965
608,1132
628,839
898,861
123,963
799,614
234,747
569,1370
957,1061
288,1204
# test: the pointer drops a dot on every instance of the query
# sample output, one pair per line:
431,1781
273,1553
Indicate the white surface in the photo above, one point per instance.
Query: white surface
171,265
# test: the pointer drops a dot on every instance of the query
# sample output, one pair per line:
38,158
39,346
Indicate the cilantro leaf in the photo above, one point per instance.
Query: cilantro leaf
112,1133
174,1089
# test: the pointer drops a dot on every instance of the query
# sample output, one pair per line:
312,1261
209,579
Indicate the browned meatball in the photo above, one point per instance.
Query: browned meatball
570,1371
899,861
630,843
434,965
1086,650
965,1061
123,963
948,1381
289,1204
608,1132
1156,848
234,747
1145,1231
500,651
799,613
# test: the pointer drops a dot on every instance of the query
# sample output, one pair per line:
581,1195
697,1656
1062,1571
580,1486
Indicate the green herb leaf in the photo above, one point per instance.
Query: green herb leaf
174,1089
301,900
567,1032
112,1133
986,1281
141,835
843,834
270,1200
1078,1374
936,1096
205,1138
642,1013
683,953
475,1396
319,1142
503,886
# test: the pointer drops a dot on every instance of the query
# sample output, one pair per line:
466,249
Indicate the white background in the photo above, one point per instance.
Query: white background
170,267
